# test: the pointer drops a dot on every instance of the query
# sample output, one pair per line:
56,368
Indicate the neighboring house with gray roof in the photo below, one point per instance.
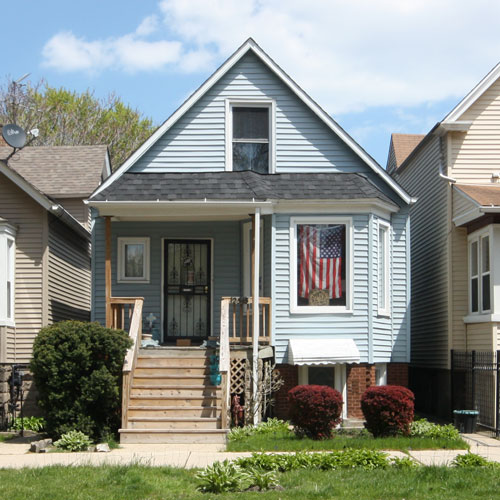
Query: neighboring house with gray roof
454,172
44,242
251,169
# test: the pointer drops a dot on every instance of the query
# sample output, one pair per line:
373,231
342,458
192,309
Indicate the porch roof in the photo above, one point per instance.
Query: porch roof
240,186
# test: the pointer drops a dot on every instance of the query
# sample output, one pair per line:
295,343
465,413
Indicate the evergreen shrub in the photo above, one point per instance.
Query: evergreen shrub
77,369
314,410
388,410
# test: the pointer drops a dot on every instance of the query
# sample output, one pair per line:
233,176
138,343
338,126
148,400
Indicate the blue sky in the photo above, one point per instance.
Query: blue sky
377,66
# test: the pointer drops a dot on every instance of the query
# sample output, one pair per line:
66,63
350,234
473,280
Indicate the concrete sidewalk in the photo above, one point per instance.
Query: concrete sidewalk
16,456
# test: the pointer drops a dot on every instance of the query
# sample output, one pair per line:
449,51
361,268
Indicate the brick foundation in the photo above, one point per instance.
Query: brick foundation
359,378
290,374
397,374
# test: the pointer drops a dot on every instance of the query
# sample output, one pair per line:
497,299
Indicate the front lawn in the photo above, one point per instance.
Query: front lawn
140,482
284,440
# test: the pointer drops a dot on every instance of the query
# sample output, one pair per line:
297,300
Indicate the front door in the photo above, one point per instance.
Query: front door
187,290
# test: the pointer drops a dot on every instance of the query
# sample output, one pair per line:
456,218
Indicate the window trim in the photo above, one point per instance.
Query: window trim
122,241
296,309
8,234
231,102
386,228
478,237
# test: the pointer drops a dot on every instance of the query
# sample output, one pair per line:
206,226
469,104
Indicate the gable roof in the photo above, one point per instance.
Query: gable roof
251,45
43,200
61,171
401,147
473,95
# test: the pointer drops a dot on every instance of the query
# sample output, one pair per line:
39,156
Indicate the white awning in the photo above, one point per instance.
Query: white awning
322,351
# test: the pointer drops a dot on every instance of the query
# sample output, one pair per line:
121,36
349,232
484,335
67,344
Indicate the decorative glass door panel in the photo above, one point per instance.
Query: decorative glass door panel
187,289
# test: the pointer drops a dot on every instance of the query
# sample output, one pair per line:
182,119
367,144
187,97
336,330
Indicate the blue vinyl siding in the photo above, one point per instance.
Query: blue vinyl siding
349,325
196,143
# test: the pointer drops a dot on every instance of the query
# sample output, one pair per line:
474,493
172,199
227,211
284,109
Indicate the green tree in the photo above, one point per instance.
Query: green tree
68,118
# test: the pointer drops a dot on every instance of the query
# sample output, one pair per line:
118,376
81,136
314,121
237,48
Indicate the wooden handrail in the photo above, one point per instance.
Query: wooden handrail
135,334
241,314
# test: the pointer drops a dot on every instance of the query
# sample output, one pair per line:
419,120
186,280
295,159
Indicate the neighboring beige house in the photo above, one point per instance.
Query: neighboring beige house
454,171
44,242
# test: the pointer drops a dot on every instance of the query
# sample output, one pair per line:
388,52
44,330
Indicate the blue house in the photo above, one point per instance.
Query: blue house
248,194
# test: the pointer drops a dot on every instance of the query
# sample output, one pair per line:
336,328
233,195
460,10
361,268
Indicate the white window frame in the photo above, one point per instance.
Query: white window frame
7,273
384,275
294,307
122,242
478,237
270,104
340,380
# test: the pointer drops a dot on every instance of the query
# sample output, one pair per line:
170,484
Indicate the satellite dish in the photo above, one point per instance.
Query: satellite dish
14,135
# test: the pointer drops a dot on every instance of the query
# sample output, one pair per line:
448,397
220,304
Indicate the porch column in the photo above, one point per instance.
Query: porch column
255,307
107,271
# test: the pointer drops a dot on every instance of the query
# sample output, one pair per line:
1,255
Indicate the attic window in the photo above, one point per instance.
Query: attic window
249,133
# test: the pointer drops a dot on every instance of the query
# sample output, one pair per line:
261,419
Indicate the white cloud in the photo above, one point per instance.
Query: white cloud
349,56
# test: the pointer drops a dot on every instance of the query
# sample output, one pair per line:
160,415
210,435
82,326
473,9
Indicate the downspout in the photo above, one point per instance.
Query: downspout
441,166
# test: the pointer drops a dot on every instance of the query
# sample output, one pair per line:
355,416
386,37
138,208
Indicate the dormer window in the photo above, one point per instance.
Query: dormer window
249,136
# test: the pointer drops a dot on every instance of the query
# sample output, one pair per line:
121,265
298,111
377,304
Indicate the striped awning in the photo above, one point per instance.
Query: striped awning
322,351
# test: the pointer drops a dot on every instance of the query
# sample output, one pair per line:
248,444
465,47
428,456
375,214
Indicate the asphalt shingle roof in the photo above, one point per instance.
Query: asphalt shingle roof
403,145
59,171
484,195
239,186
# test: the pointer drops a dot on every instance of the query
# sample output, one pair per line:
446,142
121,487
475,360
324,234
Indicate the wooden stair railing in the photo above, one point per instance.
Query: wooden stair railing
118,320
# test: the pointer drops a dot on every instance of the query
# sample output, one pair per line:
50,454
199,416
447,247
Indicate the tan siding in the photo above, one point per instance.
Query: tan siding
459,285
77,209
461,204
429,259
480,336
69,274
22,211
496,337
476,153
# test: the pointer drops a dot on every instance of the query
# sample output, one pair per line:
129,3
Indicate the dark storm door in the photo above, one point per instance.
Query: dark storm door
187,290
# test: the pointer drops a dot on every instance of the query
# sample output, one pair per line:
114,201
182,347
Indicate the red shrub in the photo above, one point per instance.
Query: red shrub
314,410
388,410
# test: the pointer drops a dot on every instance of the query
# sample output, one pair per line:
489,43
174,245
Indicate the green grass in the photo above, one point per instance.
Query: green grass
287,441
144,483
7,437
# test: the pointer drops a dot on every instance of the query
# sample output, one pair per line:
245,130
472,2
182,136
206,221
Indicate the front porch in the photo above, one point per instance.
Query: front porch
209,346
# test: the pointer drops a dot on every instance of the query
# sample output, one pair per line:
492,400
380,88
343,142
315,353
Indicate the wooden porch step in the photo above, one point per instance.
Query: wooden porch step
162,400
173,422
173,436
169,362
173,411
184,391
171,370
181,379
175,352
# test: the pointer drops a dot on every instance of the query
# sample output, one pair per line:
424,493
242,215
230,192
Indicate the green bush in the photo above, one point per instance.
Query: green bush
473,460
424,428
220,477
73,441
35,424
77,369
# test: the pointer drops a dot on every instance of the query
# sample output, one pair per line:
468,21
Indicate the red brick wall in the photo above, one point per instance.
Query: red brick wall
359,378
290,374
397,374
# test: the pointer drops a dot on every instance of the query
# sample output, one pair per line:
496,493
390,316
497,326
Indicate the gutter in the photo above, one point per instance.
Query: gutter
70,221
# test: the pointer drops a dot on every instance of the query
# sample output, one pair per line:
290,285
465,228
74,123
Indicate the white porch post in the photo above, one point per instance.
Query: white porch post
255,309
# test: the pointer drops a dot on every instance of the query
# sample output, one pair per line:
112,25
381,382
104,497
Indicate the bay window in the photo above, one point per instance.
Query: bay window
479,272
383,269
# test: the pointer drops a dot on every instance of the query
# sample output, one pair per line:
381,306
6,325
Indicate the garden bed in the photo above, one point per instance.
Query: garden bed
284,440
